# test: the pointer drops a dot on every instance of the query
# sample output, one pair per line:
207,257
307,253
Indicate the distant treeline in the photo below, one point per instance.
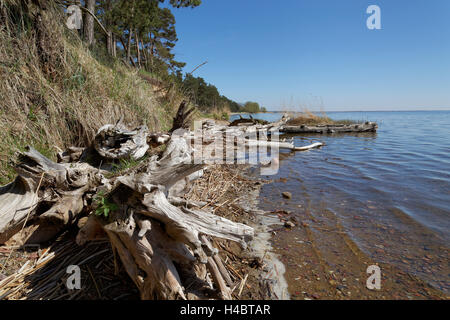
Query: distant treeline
208,98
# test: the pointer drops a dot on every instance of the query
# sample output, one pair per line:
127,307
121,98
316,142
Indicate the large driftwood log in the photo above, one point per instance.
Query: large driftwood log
360,127
281,145
46,193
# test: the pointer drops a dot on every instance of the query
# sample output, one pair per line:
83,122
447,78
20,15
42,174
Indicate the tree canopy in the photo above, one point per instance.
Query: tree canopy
143,33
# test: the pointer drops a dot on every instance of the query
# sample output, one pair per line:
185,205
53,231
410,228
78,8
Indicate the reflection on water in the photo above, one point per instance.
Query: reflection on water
389,190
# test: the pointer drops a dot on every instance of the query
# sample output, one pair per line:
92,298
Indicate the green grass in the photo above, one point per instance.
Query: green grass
15,143
123,165
216,115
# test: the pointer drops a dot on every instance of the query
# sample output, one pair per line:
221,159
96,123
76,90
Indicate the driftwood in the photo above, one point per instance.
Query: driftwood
248,135
46,193
117,142
360,127
247,121
156,240
281,145
181,120
161,238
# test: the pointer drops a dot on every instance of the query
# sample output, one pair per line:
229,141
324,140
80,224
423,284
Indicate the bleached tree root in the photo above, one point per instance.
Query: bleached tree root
117,142
148,257
158,241
46,194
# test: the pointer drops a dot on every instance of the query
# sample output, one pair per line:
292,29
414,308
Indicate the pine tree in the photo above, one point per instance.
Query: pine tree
88,27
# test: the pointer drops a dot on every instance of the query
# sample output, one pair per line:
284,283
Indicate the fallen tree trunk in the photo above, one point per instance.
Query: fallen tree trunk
360,127
281,145
160,243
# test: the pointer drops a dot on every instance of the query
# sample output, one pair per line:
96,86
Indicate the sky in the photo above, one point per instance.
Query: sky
319,54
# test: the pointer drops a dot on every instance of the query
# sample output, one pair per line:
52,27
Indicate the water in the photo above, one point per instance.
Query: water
388,190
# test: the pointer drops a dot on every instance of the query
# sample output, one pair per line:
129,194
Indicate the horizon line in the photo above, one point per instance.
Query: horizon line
371,110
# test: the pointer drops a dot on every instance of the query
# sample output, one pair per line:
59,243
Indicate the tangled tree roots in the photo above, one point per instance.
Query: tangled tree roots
161,239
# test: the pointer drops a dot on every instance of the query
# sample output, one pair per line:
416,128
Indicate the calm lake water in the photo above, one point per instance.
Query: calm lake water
390,190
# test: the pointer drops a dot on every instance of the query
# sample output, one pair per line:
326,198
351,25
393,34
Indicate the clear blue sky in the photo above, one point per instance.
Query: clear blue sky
315,53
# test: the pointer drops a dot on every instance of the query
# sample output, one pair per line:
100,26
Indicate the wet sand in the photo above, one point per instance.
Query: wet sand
322,262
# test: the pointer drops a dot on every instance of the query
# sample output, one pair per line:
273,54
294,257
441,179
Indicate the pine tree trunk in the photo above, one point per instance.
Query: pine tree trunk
89,23
144,55
129,45
136,38
151,53
122,41
109,43
114,46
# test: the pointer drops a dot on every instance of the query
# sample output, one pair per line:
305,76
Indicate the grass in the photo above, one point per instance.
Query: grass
309,118
216,115
58,95
123,165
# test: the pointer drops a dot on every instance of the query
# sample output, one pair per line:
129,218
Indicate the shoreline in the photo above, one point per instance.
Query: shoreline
317,273
295,265
261,246
279,262
324,262
259,262
304,259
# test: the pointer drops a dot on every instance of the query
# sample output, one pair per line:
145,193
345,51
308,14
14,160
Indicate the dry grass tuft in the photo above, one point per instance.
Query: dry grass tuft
42,275
309,118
